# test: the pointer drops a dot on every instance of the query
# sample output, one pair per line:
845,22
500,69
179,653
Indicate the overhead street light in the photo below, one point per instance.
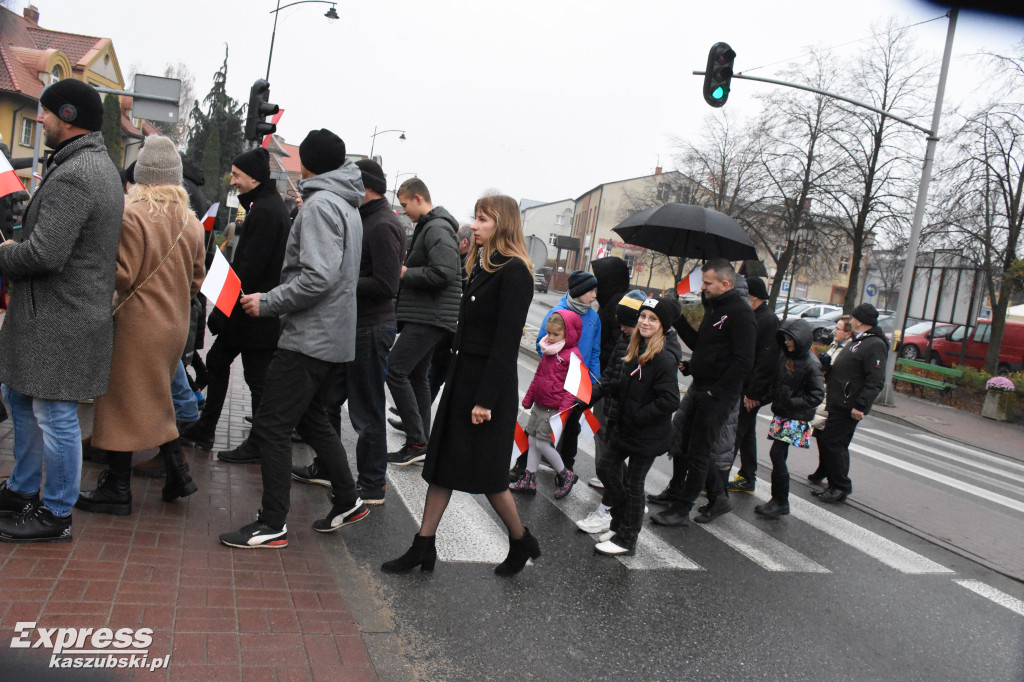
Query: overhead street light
373,138
331,14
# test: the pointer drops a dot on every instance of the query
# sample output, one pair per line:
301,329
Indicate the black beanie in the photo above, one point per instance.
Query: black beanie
666,309
757,288
373,176
74,102
255,163
866,313
322,151
580,282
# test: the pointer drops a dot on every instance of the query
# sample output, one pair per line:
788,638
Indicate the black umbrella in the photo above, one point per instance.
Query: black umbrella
688,232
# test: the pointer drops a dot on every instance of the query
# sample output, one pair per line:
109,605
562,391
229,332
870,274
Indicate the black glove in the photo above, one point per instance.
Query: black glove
578,408
826,361
684,367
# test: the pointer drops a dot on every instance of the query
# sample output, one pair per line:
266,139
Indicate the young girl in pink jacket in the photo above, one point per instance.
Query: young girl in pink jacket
547,397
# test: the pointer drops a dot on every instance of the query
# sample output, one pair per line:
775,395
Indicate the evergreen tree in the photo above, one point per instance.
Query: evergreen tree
112,136
215,136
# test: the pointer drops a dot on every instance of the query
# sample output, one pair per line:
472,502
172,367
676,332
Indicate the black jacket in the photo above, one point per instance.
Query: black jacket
759,384
257,262
612,275
380,265
723,347
639,402
432,285
801,387
858,373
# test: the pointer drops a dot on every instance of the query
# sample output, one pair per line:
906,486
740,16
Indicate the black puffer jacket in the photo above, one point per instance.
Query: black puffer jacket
431,288
858,373
640,401
612,275
760,382
800,386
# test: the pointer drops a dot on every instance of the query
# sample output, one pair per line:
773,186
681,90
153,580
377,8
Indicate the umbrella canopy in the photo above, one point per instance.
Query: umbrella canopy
688,232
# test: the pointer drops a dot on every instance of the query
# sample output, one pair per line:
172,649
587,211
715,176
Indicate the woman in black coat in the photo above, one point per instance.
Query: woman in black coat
472,433
800,388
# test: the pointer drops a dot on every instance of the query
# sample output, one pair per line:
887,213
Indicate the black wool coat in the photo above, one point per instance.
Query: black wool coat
474,458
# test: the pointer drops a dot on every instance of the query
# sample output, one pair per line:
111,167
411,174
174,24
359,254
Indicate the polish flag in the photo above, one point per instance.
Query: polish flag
274,119
558,423
9,180
520,442
221,285
577,379
589,425
692,283
210,217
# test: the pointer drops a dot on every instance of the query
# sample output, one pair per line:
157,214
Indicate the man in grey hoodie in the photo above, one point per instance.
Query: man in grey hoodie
316,303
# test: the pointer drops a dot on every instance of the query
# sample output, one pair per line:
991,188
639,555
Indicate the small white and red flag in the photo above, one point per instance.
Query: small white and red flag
210,217
9,180
577,379
558,423
221,285
520,442
274,119
589,426
692,283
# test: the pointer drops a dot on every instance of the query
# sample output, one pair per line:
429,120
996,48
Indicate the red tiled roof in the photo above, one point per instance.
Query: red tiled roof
290,162
73,45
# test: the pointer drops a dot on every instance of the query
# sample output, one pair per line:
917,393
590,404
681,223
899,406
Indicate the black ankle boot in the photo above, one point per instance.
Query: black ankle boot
113,493
179,482
519,551
422,554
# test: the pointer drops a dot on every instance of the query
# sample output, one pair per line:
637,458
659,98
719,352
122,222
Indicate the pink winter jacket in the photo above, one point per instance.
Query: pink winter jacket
547,388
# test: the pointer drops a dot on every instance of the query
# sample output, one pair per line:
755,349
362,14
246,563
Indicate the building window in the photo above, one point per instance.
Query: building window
559,220
552,237
663,191
56,74
779,250
844,264
28,126
630,260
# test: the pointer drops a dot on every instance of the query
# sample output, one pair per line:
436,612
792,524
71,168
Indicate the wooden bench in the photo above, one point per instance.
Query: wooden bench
938,383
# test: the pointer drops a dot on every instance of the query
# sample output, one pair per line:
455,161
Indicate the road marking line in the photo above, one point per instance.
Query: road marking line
751,542
1001,500
1001,472
994,595
874,545
1001,461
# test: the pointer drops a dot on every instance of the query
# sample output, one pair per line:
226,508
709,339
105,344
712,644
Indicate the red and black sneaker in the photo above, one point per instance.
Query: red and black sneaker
411,453
337,517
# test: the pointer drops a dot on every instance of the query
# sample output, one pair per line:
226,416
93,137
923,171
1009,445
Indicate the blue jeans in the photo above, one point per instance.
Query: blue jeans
361,383
186,407
46,432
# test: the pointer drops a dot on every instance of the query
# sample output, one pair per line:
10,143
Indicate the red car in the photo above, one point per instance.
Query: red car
917,343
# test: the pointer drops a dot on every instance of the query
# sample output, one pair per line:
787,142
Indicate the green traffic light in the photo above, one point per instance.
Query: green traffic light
719,92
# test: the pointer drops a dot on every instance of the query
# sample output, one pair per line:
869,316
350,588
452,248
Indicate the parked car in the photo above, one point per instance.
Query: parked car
689,298
540,283
974,343
821,327
887,323
918,339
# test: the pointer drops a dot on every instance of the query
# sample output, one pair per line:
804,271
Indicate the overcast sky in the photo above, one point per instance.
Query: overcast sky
540,100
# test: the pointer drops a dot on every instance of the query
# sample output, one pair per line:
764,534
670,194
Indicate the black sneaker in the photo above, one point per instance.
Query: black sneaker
240,455
38,524
714,510
336,518
666,496
740,485
372,496
257,535
13,503
311,474
409,454
197,437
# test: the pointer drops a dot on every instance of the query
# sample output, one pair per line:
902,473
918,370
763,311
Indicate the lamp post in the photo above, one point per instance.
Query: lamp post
373,138
803,234
331,14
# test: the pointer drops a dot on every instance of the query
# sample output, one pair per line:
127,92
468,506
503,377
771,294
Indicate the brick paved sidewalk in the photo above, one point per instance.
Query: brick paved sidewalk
221,614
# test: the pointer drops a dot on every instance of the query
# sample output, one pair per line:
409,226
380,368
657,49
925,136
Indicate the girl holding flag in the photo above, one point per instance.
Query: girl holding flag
547,397
639,402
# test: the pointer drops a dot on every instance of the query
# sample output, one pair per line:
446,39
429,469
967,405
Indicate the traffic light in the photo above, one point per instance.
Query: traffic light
256,125
718,74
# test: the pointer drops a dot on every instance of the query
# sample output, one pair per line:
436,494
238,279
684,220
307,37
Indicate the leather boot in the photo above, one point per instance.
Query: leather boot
179,482
154,467
422,554
519,551
113,493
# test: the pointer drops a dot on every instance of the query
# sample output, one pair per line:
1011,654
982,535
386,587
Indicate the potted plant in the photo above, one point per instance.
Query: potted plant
1000,397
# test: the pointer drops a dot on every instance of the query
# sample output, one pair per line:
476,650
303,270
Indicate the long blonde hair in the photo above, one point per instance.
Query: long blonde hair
654,346
159,198
507,237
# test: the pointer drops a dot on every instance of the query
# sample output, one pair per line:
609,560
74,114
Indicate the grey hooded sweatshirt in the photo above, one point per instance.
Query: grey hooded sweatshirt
316,299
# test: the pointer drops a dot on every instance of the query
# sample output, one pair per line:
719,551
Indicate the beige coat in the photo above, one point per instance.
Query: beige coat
150,328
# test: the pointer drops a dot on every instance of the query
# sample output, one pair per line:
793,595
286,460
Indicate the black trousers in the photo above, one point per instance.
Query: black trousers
297,390
834,449
746,441
624,491
218,373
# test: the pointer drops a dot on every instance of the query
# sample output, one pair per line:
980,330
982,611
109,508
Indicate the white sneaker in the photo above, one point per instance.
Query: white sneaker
598,521
606,536
611,549
595,482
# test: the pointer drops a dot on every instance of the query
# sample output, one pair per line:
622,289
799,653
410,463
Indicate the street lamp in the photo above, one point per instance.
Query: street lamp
373,138
803,234
331,14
